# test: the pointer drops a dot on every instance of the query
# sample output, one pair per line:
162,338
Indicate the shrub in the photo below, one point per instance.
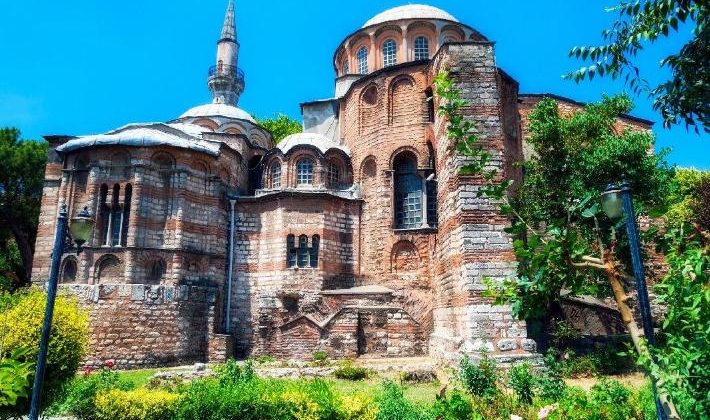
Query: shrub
81,393
456,406
479,379
68,342
359,406
394,406
14,378
608,399
522,380
138,404
320,358
550,386
230,372
350,372
265,358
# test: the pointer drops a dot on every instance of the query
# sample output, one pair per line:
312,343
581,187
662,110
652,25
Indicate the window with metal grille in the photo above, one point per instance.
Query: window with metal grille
407,194
304,172
389,53
291,256
333,176
346,68
303,254
421,48
276,175
431,204
362,67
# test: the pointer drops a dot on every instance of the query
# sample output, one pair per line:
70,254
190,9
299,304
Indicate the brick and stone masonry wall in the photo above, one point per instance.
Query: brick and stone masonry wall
141,325
472,244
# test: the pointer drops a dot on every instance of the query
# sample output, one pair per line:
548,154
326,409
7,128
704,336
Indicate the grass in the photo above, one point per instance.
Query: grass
139,377
424,394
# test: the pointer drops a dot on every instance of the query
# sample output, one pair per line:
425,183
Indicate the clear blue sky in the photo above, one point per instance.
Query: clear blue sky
87,66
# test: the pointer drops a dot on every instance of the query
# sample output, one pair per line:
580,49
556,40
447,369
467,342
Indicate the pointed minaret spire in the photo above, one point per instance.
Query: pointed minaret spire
226,80
229,29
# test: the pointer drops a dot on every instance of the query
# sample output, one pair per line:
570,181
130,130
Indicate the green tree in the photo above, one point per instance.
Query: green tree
21,181
682,98
280,126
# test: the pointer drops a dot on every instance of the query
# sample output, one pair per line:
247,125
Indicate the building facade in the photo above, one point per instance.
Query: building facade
358,236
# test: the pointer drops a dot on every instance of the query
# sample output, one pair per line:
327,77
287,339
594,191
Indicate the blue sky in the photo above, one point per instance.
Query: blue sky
87,66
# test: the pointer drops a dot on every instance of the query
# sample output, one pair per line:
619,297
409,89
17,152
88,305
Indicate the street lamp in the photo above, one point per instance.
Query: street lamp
80,230
617,202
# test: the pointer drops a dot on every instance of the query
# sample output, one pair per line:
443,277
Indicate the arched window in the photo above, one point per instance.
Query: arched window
421,48
315,242
389,53
291,256
81,173
128,194
408,193
69,270
156,270
362,67
346,68
276,175
333,176
116,217
303,254
304,172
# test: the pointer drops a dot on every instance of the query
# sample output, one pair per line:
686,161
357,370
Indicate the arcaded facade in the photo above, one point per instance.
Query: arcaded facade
358,237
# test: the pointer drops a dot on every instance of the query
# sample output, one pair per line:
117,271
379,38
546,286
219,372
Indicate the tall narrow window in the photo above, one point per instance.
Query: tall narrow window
431,215
126,213
303,254
421,48
304,172
315,242
389,53
333,176
116,218
104,215
346,68
156,270
291,256
69,271
408,193
362,67
276,175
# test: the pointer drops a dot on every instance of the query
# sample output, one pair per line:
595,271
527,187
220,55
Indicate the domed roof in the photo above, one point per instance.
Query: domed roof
318,141
410,11
218,110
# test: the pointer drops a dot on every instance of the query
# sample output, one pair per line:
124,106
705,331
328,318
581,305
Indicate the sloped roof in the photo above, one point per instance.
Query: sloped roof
318,141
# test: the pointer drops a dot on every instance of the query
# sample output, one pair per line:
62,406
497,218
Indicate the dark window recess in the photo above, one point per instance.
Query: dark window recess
430,104
314,250
303,251
291,251
432,216
407,194
302,255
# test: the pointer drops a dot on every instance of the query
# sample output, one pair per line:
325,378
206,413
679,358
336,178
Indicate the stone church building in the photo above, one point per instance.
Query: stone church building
358,236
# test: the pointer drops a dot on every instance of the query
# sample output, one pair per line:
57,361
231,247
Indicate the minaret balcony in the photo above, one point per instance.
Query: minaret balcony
226,71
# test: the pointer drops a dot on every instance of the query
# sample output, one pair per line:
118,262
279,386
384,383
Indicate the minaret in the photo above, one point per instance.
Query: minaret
226,80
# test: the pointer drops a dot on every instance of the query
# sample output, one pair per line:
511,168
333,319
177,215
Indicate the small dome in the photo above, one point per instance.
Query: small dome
319,141
411,11
218,110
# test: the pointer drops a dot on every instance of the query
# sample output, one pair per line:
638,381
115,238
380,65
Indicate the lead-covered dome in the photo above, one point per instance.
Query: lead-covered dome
218,110
411,11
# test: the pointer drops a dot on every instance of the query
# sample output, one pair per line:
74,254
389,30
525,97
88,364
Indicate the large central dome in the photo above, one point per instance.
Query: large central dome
410,11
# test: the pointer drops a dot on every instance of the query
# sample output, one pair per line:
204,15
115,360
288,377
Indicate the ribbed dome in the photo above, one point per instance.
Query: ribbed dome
411,11
218,110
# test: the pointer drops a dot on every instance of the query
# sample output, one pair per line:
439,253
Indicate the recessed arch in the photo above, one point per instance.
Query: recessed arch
404,257
108,269
69,270
155,271
370,95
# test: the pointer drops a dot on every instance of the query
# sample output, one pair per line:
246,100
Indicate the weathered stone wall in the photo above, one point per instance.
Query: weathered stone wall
141,325
472,244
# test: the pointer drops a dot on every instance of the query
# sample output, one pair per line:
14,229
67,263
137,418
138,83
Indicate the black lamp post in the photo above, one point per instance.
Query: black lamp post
617,202
80,230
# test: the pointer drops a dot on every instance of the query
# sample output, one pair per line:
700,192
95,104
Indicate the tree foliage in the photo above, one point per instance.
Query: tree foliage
280,126
21,181
683,98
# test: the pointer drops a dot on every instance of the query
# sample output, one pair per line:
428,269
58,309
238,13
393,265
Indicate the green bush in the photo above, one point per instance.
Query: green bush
14,378
230,372
394,406
320,358
479,379
139,404
80,395
522,380
350,372
22,324
608,399
456,406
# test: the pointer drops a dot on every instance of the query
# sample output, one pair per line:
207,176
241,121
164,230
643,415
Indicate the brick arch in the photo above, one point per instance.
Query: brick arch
402,98
155,270
381,36
452,33
206,123
70,270
404,257
369,111
335,156
405,149
269,171
232,127
108,269
294,157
